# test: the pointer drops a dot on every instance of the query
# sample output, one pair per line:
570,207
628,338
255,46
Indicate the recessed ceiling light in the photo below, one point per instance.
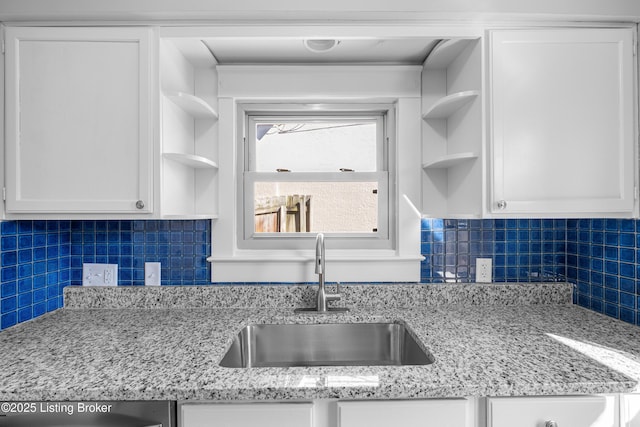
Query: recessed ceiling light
320,45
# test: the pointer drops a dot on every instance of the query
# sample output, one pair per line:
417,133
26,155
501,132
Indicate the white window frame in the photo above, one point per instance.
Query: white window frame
395,85
254,113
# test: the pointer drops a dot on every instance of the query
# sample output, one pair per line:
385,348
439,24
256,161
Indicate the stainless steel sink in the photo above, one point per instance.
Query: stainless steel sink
340,344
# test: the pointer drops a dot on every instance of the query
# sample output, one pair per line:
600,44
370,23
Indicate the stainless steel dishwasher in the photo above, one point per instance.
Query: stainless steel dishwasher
88,414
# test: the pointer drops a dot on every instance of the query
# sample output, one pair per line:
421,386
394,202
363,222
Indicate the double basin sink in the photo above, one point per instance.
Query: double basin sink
335,344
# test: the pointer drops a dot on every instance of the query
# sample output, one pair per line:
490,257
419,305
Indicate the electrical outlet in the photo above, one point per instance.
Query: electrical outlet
483,270
99,274
152,274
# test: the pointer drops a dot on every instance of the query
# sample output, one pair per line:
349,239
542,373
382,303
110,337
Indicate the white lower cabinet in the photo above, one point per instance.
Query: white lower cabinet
246,414
539,411
565,411
630,406
407,413
331,413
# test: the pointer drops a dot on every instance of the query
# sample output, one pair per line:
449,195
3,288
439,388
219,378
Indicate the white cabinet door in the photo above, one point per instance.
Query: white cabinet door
78,120
630,410
418,413
246,415
562,121
574,411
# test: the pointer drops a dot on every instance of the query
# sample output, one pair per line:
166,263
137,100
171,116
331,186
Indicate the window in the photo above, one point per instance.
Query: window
260,102
311,168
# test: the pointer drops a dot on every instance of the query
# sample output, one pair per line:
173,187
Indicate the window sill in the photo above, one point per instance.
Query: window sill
299,268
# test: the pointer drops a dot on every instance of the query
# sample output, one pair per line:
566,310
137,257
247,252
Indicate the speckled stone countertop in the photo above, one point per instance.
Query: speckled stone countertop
538,346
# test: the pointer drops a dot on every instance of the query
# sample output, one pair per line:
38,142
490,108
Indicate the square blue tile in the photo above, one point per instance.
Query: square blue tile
627,240
39,240
611,310
627,315
25,314
627,300
39,309
9,319
597,305
25,285
627,285
627,255
8,304
25,256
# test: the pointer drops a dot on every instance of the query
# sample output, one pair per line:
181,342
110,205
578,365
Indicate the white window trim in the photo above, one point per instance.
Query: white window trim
384,115
398,85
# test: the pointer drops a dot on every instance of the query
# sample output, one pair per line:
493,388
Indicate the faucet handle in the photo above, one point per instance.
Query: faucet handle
336,296
333,297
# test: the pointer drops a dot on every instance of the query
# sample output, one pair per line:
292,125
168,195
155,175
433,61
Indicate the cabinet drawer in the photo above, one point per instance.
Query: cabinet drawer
571,411
247,415
419,413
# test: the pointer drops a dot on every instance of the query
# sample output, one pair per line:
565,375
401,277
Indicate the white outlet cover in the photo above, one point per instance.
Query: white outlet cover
152,274
484,270
99,274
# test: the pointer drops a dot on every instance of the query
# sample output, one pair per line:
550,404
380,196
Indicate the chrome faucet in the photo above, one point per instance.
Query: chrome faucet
323,296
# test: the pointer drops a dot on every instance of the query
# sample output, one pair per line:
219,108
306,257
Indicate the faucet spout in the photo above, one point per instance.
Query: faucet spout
320,269
320,254
323,297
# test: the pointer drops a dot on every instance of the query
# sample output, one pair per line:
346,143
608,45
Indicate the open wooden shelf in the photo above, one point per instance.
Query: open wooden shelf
450,160
448,105
191,160
195,106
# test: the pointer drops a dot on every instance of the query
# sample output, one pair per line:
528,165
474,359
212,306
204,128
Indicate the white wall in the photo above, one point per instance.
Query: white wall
136,10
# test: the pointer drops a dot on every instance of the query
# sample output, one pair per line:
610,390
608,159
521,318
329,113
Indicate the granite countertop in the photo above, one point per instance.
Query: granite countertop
488,346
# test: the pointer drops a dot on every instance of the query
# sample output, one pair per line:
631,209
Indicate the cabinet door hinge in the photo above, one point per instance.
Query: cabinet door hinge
635,193
4,194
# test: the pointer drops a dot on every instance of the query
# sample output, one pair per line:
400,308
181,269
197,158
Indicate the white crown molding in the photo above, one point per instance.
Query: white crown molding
207,11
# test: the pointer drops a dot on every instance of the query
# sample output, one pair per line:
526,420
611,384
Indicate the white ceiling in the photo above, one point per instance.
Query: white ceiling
293,51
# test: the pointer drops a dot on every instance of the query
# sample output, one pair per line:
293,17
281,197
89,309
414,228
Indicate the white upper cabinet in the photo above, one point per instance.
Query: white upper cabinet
562,125
79,126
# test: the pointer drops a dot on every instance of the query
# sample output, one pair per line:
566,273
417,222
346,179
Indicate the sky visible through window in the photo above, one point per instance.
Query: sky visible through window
316,147
327,146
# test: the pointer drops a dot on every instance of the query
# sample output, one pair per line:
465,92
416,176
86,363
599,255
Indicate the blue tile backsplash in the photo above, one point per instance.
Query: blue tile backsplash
34,268
181,247
524,250
601,256
39,258
603,259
